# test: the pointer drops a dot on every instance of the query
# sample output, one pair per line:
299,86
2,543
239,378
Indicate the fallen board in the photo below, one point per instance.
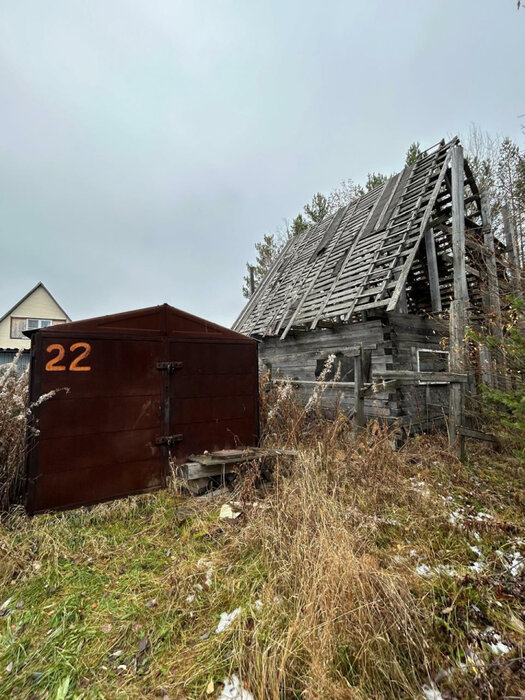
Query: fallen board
225,461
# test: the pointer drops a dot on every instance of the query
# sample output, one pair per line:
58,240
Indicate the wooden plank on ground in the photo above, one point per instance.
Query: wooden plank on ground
477,435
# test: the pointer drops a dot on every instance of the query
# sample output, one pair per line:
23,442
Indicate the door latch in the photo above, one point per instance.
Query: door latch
168,439
168,367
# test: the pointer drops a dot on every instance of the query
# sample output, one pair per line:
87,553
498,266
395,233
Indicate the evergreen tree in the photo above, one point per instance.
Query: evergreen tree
298,226
267,250
374,180
413,153
317,209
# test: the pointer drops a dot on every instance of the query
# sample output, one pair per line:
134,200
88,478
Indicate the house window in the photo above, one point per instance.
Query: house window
341,370
432,361
19,325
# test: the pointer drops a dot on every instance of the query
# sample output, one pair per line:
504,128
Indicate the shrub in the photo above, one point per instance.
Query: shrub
14,388
506,407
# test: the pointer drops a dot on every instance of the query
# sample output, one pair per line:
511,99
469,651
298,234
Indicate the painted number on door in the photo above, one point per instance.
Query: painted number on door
59,352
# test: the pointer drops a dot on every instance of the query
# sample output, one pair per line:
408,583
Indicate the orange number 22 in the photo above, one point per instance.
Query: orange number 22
75,366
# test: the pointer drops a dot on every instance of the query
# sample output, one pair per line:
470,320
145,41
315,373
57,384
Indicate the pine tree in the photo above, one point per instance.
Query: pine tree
374,180
298,226
413,153
317,209
267,251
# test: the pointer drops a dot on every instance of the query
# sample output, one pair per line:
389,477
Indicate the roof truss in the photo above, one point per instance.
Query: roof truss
362,257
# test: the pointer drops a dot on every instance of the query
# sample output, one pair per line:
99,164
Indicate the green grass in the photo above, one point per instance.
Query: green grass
99,603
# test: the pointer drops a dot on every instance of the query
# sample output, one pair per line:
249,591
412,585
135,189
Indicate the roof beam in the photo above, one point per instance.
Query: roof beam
433,272
424,223
458,224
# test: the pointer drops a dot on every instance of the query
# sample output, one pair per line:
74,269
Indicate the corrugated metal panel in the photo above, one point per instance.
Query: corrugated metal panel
7,356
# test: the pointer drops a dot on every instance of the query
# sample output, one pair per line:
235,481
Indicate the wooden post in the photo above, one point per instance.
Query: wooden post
492,367
458,322
510,240
359,406
458,307
433,273
402,304
458,224
485,365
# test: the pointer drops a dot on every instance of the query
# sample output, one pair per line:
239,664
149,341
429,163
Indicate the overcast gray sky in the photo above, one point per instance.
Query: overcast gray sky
146,145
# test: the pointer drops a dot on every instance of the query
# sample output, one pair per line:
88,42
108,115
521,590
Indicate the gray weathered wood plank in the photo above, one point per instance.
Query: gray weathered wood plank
433,272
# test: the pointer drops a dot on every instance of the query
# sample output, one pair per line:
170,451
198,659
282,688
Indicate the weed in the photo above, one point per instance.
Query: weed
359,572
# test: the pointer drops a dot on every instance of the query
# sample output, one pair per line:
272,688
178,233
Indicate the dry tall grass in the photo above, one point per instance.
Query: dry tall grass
360,572
13,429
340,620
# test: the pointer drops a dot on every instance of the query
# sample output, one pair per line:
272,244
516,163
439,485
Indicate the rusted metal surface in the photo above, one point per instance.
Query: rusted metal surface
140,386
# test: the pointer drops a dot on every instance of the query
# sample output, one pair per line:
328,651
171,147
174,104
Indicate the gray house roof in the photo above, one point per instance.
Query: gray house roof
361,257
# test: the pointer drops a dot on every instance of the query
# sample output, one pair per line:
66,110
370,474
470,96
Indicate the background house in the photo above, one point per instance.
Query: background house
37,309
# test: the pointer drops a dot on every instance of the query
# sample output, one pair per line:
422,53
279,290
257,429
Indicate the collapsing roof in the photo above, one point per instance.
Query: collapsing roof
368,255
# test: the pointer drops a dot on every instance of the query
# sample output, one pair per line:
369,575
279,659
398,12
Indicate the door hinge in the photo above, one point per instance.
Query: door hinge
168,439
169,367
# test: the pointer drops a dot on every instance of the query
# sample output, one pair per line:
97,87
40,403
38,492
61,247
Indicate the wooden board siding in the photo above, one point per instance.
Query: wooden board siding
392,341
296,357
39,304
421,406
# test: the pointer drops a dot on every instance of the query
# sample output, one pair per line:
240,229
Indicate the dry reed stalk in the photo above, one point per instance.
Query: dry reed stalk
13,428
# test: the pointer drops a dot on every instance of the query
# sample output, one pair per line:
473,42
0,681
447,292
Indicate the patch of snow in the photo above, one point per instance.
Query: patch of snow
417,484
190,598
258,605
226,620
481,516
431,692
513,562
517,564
209,580
427,571
455,516
499,648
477,566
233,690
476,550
473,660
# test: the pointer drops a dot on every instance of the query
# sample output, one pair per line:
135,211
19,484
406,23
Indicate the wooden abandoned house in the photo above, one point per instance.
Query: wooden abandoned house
379,280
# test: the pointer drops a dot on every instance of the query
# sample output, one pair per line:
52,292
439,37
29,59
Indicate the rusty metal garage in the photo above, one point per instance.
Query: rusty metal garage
136,392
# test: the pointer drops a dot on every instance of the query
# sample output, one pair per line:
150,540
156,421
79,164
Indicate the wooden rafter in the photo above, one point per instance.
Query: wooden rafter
360,258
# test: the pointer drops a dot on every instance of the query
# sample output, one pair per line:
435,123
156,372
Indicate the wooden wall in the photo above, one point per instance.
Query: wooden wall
422,406
389,341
